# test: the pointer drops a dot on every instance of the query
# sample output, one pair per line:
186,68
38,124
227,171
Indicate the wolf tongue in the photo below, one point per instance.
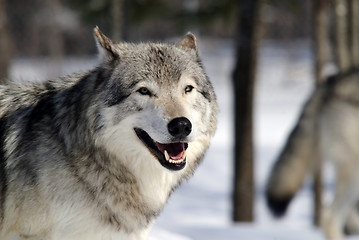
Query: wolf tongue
174,150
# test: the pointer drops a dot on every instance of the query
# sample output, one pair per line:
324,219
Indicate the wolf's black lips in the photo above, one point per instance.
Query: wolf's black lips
171,156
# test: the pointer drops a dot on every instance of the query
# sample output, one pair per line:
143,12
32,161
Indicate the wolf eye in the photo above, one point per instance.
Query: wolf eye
188,89
144,91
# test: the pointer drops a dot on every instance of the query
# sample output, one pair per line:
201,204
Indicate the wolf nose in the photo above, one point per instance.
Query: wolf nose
179,127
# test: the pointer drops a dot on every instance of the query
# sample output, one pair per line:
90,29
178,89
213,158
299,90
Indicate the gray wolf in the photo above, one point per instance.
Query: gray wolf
96,155
328,129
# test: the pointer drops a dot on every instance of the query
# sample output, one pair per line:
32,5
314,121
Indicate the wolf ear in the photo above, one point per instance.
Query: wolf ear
105,45
189,41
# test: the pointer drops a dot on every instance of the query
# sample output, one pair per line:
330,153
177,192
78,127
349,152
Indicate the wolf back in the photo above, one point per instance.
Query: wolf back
96,155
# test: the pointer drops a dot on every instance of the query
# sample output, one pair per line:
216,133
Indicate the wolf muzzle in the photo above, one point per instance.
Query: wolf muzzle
171,155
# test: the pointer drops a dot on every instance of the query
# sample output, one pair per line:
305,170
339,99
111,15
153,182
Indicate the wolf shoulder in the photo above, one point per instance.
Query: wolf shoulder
16,95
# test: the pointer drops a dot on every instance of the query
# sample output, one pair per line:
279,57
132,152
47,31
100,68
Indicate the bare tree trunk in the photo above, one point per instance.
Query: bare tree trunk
34,39
56,41
341,35
117,19
5,44
354,30
244,79
321,43
320,50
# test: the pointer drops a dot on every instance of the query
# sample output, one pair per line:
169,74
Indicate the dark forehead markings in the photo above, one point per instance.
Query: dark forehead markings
161,56
206,95
133,83
203,87
163,64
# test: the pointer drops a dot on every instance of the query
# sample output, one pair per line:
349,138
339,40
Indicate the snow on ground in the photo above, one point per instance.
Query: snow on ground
201,208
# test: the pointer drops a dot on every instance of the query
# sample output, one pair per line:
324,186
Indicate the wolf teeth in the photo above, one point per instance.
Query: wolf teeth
184,155
167,156
169,159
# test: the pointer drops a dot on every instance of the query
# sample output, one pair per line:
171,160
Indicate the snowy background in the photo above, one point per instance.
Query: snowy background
201,208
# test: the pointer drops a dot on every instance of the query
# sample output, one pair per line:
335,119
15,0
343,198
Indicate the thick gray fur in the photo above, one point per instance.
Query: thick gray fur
71,165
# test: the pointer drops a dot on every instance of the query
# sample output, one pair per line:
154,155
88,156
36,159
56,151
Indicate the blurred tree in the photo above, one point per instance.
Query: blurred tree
346,35
354,32
280,19
5,44
145,16
55,39
123,13
320,39
209,16
341,35
244,79
117,19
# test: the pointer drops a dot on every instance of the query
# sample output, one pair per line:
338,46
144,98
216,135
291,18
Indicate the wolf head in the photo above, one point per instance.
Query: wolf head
159,107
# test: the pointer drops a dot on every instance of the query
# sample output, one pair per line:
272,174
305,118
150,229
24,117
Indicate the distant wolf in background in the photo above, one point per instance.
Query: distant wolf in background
328,128
96,155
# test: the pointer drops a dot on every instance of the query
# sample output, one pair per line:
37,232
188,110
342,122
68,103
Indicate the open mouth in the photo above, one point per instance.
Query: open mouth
171,156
